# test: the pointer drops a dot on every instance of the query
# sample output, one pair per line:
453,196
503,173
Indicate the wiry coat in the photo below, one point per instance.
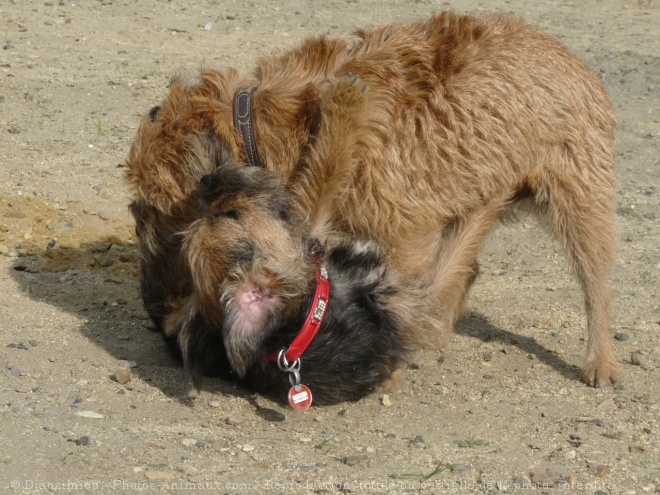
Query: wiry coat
462,117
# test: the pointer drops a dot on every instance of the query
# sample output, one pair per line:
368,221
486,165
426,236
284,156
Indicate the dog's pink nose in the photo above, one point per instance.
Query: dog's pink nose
252,295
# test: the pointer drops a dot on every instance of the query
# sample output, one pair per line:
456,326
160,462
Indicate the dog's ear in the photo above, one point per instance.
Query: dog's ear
199,341
176,144
311,109
296,109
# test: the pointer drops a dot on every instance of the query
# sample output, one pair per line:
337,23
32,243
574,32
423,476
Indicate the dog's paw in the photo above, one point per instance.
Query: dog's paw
601,373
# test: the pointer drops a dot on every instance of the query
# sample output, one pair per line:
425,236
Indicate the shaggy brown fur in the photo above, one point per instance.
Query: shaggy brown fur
463,117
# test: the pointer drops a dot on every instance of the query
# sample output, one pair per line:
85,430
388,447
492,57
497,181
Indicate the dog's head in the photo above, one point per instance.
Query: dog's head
181,140
192,130
249,260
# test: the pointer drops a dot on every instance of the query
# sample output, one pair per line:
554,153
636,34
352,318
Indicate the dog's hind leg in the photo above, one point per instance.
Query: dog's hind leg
582,218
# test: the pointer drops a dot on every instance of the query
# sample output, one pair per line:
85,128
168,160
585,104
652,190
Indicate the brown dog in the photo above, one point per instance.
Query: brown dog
446,124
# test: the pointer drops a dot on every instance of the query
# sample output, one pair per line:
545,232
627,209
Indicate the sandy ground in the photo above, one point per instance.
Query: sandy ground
500,410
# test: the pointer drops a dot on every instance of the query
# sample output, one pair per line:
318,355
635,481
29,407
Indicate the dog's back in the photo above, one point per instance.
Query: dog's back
464,116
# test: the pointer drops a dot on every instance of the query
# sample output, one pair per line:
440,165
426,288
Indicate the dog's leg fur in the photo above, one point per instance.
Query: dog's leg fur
444,281
584,223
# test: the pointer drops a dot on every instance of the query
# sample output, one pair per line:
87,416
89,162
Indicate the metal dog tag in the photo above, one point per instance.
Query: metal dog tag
300,397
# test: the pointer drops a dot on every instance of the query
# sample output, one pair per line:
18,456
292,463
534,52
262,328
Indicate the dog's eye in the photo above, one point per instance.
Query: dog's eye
232,214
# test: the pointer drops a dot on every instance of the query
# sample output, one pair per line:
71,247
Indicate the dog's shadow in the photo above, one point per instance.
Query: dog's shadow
99,283
475,325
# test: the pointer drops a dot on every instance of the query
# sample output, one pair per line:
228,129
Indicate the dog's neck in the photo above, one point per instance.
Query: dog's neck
312,325
275,126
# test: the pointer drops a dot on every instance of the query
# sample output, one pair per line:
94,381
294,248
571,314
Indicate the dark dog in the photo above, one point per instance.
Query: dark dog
259,304
451,122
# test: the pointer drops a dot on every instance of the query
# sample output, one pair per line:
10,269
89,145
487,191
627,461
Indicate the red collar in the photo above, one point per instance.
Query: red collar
313,321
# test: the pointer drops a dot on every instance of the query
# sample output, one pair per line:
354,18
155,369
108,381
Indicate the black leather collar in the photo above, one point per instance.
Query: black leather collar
244,123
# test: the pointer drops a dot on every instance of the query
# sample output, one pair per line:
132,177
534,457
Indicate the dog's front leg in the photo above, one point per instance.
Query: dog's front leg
439,274
331,162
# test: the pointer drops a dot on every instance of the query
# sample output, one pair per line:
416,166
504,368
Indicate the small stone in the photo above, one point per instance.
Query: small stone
189,442
16,214
354,460
151,325
507,350
18,345
248,448
386,401
3,249
242,456
234,420
106,261
621,336
460,468
571,454
70,244
601,471
121,376
128,364
15,370
542,478
648,431
596,422
418,442
12,253
639,359
89,414
522,483
636,449
214,403
159,475
23,390
103,215
82,441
